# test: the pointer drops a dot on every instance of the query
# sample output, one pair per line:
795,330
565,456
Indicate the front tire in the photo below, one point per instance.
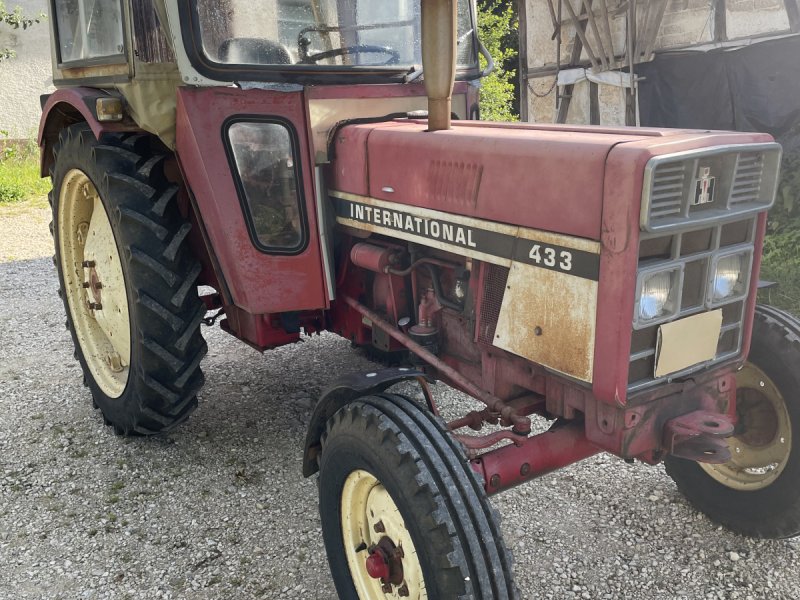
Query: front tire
757,493
127,279
403,515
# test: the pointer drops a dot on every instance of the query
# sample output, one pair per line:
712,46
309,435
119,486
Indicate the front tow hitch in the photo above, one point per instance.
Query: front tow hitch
699,436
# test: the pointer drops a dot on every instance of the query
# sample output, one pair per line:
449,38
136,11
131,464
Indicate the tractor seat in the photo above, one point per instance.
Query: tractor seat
254,51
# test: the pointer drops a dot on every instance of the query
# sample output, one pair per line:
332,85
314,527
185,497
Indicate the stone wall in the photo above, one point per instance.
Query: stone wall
24,78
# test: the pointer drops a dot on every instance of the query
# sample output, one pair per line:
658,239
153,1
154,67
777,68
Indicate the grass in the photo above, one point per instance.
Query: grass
19,174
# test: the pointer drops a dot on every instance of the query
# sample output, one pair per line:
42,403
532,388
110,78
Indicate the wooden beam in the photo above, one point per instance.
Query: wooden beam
594,103
720,21
793,11
522,13
577,49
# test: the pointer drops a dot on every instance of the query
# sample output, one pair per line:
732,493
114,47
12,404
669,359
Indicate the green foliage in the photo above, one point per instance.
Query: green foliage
19,173
15,19
782,245
497,28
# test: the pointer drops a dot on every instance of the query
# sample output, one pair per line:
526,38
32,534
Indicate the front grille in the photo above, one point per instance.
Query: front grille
693,253
747,180
669,189
703,186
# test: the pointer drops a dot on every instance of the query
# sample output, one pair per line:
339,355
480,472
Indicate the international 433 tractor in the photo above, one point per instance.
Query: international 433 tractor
320,165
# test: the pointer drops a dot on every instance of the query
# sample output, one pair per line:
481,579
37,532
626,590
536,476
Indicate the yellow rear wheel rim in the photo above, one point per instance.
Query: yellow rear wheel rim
94,284
762,441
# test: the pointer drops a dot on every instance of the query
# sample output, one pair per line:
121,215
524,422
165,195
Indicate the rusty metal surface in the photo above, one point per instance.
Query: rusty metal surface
699,436
521,424
548,317
513,464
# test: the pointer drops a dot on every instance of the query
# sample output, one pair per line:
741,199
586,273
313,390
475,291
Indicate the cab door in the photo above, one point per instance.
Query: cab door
245,155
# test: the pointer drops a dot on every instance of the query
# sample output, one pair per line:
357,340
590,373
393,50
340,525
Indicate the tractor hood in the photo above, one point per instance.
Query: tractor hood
546,177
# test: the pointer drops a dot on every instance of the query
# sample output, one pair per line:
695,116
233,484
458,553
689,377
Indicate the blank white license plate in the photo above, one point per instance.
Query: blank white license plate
687,342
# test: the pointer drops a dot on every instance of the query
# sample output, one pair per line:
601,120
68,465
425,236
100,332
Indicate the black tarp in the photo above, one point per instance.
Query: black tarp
750,88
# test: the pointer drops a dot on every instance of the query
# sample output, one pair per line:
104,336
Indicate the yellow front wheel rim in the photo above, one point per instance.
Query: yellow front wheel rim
94,283
372,523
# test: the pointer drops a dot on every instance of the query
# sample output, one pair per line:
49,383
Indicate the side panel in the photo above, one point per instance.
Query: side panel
550,304
259,282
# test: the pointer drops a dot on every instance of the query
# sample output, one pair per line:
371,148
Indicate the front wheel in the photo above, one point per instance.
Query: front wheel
403,515
757,492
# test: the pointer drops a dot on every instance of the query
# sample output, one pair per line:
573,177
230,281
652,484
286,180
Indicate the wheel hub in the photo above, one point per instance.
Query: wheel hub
381,555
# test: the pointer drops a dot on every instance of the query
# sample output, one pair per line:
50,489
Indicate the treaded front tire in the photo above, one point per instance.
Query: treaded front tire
757,502
154,387
445,513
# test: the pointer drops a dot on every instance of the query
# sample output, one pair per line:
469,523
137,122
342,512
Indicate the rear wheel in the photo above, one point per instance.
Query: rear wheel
757,493
127,279
403,515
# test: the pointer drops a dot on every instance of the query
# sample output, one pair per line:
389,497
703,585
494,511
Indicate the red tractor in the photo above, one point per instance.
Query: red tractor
280,153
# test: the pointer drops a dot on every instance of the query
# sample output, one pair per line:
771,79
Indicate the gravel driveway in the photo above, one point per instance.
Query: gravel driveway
219,509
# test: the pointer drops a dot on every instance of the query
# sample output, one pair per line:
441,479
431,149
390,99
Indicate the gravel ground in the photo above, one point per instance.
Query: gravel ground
218,509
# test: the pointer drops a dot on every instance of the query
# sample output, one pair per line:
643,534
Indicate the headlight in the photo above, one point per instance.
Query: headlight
730,277
658,294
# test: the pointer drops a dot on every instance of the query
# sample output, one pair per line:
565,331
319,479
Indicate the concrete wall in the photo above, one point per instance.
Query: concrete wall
686,23
24,78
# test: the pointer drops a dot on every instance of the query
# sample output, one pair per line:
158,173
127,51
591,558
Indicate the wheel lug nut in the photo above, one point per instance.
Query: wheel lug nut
95,306
379,527
386,588
88,264
86,285
114,361
403,591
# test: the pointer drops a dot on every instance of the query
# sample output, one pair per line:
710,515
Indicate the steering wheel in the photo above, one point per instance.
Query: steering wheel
357,49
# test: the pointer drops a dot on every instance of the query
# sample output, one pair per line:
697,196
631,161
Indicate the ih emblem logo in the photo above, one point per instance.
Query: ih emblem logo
704,191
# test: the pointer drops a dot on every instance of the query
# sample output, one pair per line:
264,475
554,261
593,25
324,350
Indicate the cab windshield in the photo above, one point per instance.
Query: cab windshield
320,35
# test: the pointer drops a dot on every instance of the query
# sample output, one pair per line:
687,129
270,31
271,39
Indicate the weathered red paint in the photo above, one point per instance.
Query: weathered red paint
598,199
65,107
464,171
533,457
259,283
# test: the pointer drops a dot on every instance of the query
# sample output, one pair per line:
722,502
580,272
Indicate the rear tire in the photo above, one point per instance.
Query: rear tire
757,493
127,279
383,456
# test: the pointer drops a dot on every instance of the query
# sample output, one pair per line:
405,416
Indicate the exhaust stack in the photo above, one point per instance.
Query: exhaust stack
439,59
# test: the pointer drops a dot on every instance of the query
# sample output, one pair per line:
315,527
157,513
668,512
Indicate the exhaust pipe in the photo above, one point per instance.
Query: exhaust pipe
439,19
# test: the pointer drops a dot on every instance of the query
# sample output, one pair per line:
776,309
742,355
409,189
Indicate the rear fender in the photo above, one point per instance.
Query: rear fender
344,390
67,106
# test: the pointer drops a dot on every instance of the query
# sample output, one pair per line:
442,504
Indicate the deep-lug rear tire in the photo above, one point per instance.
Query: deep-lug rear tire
757,493
391,477
127,279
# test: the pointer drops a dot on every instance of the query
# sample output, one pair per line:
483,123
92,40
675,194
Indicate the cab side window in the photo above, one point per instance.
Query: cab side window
264,154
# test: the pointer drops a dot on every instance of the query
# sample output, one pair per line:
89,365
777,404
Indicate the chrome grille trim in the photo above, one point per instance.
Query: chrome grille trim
745,182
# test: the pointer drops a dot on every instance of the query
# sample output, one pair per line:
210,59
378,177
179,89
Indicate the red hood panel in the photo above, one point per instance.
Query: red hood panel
513,175
548,177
